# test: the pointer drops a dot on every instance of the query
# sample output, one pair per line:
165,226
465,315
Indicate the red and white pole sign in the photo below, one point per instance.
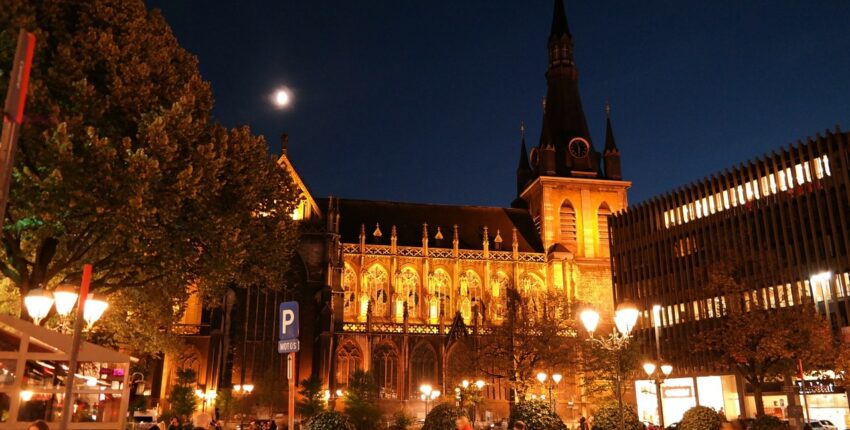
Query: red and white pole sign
13,113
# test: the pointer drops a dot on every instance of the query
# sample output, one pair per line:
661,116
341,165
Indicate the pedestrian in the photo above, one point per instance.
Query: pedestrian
582,424
174,424
519,425
462,423
38,425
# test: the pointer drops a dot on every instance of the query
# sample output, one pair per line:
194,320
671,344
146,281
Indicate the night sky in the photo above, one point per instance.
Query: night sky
421,101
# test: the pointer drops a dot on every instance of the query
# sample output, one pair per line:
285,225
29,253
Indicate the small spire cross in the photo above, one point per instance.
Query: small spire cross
522,129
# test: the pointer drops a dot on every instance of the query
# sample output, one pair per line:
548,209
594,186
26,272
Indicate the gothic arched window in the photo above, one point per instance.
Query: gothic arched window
408,290
602,224
499,285
569,226
533,293
470,294
349,292
385,366
423,366
375,280
348,360
440,286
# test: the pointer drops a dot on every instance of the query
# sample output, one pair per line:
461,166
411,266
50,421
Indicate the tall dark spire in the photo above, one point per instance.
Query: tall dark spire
563,119
560,27
610,145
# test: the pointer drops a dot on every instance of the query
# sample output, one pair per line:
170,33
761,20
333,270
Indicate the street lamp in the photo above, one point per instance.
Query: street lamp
555,380
625,318
428,394
38,302
658,374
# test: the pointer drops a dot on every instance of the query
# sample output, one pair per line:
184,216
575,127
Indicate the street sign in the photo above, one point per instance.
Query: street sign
286,346
288,320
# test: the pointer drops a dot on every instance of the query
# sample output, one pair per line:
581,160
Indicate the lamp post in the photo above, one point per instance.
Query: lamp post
658,374
39,302
625,318
428,394
549,383
243,390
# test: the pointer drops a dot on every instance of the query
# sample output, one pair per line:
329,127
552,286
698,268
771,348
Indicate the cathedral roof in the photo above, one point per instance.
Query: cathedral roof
409,217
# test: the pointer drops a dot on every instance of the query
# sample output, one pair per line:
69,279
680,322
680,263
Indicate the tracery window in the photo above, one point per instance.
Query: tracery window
470,294
408,290
348,360
499,285
385,365
423,363
375,280
533,293
349,292
439,285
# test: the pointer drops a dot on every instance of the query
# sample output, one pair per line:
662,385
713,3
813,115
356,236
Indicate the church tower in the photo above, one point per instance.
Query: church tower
572,188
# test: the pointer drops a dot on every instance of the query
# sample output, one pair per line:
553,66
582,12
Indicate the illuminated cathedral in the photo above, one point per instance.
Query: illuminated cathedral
402,278
388,287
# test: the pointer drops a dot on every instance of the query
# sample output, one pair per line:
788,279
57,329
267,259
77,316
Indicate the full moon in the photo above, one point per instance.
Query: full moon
281,98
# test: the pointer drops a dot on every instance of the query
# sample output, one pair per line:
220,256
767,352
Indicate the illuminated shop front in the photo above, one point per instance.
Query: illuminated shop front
826,401
680,394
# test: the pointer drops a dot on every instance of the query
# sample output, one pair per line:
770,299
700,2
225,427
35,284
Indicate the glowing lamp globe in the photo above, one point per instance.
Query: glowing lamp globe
557,378
479,384
590,319
666,369
649,368
66,297
435,394
38,303
626,317
465,383
248,388
542,377
425,389
94,309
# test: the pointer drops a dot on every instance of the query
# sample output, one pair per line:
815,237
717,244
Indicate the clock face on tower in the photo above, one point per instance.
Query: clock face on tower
578,148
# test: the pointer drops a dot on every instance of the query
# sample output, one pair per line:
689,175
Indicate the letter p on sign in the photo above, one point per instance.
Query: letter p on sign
288,320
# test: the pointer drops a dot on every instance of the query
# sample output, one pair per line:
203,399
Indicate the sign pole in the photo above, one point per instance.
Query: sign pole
13,113
289,344
290,364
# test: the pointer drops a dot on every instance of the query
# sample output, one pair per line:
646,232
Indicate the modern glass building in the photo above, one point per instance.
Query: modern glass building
792,208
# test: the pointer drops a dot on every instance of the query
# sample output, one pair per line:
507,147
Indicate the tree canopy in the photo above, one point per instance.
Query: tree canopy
761,337
120,165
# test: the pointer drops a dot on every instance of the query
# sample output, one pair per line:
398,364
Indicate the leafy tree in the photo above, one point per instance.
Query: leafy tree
536,415
312,398
361,401
600,368
766,422
442,417
119,165
401,421
182,400
536,335
758,340
607,417
329,420
701,418
228,405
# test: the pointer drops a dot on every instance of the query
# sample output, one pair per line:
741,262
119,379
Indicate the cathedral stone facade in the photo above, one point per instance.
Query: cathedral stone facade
400,279
389,287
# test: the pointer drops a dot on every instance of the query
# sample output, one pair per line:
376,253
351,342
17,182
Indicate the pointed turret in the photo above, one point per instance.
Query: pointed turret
611,155
523,170
565,127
